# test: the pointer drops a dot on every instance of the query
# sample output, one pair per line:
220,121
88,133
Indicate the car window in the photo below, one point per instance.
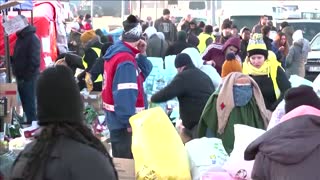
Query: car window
178,18
315,44
200,19
197,5
310,29
249,21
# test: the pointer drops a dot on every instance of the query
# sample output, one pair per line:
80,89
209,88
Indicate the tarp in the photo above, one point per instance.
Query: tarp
25,5
44,21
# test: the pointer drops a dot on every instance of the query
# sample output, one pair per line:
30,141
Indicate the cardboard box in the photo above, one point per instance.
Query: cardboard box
125,168
10,91
94,99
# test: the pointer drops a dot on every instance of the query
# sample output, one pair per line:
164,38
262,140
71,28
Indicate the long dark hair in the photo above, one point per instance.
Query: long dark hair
40,153
277,42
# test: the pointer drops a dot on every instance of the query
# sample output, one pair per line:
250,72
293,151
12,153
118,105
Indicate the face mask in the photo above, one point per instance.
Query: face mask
242,94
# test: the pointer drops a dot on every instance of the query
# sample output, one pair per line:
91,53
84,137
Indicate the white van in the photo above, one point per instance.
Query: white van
310,27
197,8
245,13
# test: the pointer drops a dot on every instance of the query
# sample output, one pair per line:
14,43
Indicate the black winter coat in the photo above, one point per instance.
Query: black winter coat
26,56
69,160
193,88
267,89
177,47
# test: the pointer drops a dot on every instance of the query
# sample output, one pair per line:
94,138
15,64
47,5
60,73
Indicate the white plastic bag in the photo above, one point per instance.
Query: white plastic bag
296,81
316,85
206,154
277,114
236,166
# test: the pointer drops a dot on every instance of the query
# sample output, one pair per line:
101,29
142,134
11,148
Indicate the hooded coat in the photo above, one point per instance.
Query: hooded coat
233,104
216,52
295,61
289,151
157,47
198,62
26,56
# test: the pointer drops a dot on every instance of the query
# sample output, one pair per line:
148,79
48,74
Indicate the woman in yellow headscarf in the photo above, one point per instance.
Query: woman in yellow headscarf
263,67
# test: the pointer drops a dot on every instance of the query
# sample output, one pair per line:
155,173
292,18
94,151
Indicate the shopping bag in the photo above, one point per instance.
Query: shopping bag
157,148
206,154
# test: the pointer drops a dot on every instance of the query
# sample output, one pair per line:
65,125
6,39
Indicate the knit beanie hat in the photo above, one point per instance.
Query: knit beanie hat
132,29
166,12
230,65
87,36
183,59
58,97
257,46
302,95
245,28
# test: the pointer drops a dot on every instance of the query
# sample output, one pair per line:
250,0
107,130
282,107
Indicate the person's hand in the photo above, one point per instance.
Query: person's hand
142,47
281,48
88,81
211,62
74,43
183,20
61,62
129,130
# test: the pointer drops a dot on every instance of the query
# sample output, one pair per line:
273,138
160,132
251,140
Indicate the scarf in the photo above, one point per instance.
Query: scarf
225,101
263,70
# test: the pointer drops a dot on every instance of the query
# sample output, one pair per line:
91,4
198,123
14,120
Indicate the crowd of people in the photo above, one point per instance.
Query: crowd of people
224,78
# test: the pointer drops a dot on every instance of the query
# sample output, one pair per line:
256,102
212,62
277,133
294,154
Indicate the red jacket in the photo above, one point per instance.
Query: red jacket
110,68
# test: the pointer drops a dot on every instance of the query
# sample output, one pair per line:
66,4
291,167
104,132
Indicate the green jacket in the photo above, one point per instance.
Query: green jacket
247,115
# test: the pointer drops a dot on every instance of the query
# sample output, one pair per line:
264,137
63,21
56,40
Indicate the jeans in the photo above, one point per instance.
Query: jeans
121,141
27,93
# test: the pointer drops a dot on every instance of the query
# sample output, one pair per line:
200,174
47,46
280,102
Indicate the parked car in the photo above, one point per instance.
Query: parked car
313,61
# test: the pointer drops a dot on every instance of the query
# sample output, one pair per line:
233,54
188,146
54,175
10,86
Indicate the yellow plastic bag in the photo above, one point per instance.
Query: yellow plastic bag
157,148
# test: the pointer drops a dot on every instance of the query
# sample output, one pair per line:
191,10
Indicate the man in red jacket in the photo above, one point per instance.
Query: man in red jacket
125,69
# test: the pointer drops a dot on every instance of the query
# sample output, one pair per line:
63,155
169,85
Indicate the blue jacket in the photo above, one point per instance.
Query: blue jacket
125,99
